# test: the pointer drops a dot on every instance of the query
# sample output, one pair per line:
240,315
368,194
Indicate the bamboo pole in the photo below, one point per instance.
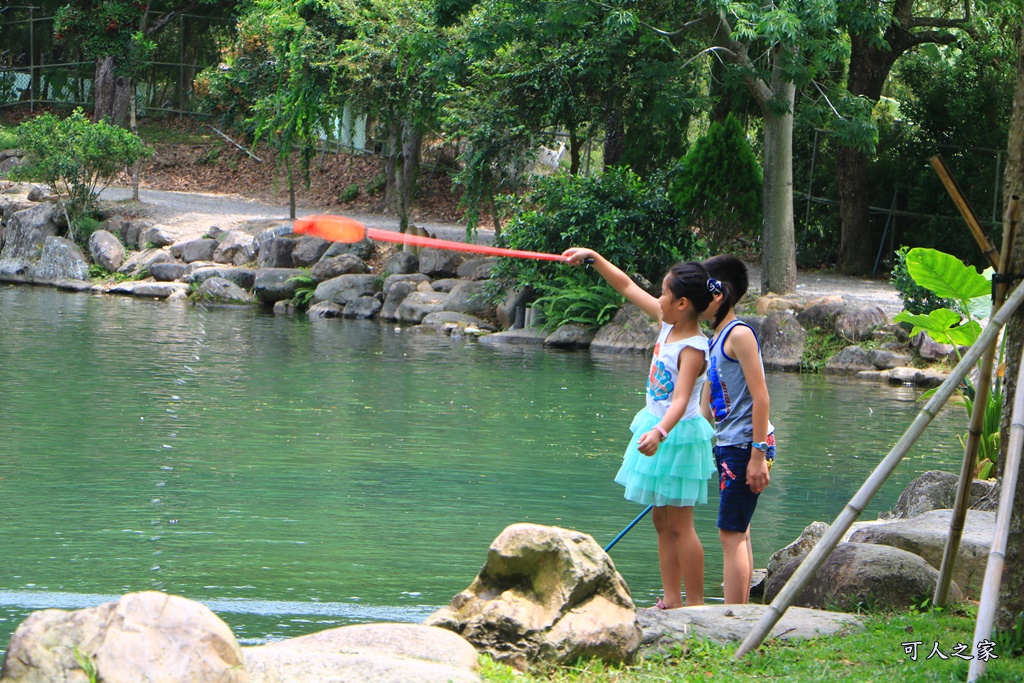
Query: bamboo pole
982,389
966,211
996,558
860,500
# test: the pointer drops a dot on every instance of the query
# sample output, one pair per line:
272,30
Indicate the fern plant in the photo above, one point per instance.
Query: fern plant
568,301
304,291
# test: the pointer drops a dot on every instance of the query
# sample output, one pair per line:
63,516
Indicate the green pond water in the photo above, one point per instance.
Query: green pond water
295,475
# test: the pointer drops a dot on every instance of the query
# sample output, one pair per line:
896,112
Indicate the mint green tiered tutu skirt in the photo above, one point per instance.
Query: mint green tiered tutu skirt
678,473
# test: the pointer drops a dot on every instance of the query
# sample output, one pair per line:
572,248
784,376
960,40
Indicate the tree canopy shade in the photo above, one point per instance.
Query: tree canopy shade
118,35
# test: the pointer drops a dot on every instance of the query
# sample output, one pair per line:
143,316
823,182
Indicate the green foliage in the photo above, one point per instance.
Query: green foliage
916,299
86,664
567,301
304,291
8,139
627,219
819,347
946,276
719,185
349,193
872,653
76,158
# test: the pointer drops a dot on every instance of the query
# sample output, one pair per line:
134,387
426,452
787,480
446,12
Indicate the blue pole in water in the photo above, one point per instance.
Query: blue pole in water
631,525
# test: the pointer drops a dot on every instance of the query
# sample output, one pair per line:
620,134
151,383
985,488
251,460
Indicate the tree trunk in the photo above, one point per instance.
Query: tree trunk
857,240
1011,594
614,139
870,65
113,93
778,243
407,170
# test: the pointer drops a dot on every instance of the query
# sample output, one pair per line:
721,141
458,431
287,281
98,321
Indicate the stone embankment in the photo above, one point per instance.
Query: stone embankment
263,263
545,597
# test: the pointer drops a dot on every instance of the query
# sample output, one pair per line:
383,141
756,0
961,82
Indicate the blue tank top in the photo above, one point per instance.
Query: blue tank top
731,403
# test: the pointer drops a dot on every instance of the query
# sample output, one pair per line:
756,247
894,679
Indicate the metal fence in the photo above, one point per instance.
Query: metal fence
44,74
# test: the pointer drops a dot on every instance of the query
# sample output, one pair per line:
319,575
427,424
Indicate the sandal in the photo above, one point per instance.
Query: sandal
660,604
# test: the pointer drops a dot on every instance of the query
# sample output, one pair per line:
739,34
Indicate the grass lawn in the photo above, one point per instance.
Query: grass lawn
875,654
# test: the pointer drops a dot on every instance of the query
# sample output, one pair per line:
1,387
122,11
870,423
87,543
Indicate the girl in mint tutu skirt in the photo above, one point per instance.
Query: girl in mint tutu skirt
669,460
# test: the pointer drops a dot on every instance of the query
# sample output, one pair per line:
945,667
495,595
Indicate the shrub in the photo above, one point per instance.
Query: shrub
568,302
76,158
349,193
625,218
916,299
719,184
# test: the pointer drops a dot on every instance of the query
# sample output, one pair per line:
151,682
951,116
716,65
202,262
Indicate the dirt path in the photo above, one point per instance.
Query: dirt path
192,214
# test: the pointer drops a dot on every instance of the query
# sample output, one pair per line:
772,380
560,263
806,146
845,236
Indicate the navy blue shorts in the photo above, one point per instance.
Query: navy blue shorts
737,503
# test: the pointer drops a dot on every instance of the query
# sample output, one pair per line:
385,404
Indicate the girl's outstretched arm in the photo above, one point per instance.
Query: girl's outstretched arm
622,283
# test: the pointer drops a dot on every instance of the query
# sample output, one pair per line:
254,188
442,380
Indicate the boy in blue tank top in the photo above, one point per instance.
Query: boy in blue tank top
735,400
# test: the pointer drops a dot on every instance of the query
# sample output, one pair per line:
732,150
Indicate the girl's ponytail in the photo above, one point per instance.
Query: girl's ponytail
733,275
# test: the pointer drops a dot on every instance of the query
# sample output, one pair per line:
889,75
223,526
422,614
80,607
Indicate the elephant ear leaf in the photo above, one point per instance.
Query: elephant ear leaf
946,275
937,323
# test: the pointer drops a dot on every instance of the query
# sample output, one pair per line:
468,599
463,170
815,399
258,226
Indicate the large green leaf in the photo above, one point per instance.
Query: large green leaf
946,275
942,325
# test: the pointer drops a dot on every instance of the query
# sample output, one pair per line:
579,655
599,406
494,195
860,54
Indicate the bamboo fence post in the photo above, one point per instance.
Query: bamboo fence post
982,388
953,188
869,488
996,558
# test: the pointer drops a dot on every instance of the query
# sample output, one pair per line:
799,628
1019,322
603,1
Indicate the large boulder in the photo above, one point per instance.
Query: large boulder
821,313
926,536
235,247
570,337
630,331
61,259
363,249
345,288
849,361
469,298
26,230
439,263
394,296
363,653
401,263
856,323
145,637
477,268
936,490
276,252
201,249
276,284
782,341
363,308
415,307
308,251
862,574
545,594
106,250
243,277
141,261
217,290
804,543
343,264
665,628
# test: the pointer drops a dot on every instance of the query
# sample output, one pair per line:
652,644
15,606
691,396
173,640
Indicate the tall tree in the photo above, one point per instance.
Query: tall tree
879,34
777,49
1011,597
117,34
